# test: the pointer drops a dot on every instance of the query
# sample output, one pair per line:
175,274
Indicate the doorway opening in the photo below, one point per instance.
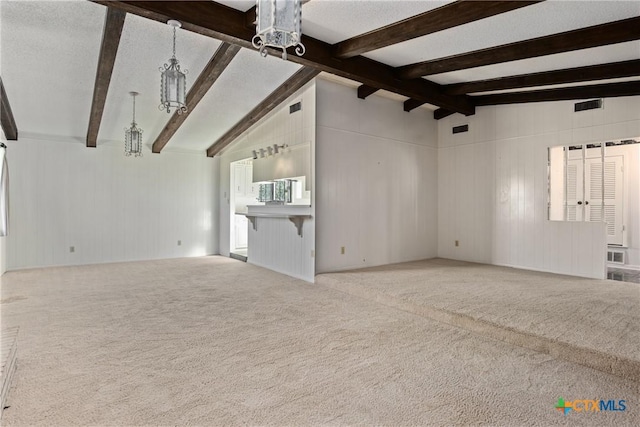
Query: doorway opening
243,193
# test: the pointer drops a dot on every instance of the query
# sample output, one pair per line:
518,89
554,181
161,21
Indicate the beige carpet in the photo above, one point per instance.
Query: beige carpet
592,322
213,341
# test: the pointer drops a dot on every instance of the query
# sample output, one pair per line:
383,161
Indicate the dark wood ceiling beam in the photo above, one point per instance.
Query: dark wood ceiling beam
364,91
599,35
411,104
447,16
277,97
217,64
229,25
441,113
250,17
608,90
571,75
377,74
7,120
113,24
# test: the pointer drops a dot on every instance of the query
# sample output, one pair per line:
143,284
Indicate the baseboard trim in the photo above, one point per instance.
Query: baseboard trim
519,267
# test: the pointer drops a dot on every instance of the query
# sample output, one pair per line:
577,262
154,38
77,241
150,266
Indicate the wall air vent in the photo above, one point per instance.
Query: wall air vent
460,129
295,107
587,105
616,257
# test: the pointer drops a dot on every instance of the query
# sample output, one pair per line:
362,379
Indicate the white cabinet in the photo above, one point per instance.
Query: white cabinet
239,179
241,231
250,189
243,180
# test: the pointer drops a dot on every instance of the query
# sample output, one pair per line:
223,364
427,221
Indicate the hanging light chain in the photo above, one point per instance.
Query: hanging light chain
174,42
134,110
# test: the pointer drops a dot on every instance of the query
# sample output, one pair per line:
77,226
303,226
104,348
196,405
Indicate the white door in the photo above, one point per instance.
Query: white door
574,186
610,209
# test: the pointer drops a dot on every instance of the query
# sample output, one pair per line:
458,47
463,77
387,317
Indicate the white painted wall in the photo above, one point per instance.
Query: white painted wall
108,206
3,255
493,184
376,179
276,244
631,155
3,240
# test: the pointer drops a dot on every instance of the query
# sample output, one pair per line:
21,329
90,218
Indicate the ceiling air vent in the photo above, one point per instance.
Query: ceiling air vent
295,107
460,129
588,105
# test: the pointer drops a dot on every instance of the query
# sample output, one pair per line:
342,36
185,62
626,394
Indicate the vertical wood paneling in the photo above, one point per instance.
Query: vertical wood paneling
276,244
483,196
109,207
376,179
446,202
3,255
517,138
502,241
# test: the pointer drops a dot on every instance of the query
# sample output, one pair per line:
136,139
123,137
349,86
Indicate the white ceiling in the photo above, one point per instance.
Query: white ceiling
49,53
48,64
336,20
559,61
528,22
144,47
238,90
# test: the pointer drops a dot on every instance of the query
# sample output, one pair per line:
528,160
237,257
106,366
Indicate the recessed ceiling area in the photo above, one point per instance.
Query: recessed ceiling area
51,52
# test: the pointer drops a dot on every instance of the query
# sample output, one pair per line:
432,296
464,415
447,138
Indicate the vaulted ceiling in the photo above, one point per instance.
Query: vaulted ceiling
67,66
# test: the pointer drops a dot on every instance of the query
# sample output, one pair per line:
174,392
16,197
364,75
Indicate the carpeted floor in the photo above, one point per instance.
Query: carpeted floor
592,322
214,341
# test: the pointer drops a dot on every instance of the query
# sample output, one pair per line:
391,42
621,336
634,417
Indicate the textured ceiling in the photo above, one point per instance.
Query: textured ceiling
336,20
576,58
49,55
48,63
537,20
144,47
240,88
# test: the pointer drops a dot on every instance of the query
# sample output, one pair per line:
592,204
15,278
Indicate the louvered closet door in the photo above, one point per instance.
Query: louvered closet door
574,191
613,195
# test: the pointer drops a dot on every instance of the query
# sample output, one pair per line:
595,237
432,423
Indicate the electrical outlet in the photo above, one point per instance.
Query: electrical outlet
342,250
313,253
72,249
457,243
179,242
